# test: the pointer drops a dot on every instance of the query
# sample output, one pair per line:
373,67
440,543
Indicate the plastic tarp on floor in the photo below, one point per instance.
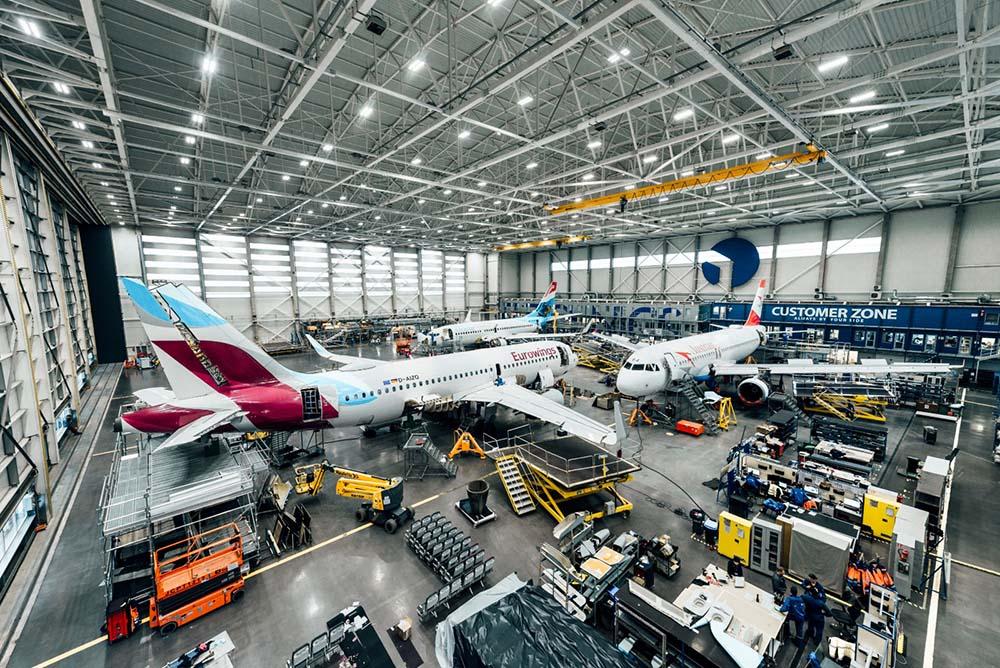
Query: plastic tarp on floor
515,625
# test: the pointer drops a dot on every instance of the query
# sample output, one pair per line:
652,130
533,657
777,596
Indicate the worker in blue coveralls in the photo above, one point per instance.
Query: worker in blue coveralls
795,608
816,614
812,582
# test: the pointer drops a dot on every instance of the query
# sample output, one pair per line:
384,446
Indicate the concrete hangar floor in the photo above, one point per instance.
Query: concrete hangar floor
289,599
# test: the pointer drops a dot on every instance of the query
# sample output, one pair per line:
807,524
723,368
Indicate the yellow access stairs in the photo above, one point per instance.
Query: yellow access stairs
513,484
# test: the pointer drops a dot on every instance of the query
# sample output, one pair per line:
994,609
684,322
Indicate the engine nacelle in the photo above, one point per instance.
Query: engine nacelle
753,391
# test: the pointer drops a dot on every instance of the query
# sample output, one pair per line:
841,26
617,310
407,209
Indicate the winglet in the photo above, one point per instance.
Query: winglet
756,309
619,423
320,350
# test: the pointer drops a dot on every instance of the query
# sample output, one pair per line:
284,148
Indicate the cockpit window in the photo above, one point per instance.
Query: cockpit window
636,366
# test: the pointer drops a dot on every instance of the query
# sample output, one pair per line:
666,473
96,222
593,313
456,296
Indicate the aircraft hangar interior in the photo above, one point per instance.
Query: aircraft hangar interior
499,333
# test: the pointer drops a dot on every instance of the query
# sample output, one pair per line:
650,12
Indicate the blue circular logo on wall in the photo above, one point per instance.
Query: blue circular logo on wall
743,255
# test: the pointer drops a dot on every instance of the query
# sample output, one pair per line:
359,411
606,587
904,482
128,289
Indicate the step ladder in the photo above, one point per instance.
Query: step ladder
423,458
513,484
791,404
695,396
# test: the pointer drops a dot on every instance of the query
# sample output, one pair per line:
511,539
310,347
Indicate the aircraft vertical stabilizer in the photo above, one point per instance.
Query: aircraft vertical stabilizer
176,358
757,309
238,358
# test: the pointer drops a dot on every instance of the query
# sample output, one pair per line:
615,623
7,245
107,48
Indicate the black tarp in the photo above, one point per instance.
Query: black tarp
528,629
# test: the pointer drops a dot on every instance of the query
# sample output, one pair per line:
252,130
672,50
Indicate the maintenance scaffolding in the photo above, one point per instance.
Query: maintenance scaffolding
152,498
565,473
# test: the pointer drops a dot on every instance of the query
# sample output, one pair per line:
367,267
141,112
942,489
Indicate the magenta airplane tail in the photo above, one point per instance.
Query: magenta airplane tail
757,309
240,360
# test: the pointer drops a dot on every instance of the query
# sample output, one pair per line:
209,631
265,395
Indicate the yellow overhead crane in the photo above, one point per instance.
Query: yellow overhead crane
774,163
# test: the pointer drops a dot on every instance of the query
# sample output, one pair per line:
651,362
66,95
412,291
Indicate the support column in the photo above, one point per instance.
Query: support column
882,250
254,333
611,270
775,238
956,239
329,280
821,278
694,264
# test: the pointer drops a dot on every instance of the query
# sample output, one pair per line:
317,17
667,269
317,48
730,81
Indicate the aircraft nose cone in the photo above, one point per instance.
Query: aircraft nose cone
628,384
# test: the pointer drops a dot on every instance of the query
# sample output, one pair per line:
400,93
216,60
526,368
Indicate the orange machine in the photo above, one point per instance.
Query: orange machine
195,576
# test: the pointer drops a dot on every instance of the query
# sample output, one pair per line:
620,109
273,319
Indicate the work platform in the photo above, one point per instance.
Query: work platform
567,473
154,497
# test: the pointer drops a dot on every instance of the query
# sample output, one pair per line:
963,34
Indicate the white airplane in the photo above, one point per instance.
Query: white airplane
221,381
652,369
498,332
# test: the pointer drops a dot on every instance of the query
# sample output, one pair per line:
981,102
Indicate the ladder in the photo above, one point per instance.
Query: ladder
423,458
791,404
695,396
513,484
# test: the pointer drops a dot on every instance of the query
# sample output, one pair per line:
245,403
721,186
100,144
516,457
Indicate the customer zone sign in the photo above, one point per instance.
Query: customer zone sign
832,314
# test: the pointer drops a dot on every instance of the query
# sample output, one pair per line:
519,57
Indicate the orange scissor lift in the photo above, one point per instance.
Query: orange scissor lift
196,576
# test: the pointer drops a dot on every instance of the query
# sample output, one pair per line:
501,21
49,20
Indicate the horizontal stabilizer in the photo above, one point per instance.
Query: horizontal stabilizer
195,429
152,396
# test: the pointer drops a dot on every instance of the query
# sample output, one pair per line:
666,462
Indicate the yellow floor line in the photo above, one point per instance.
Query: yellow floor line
263,569
101,454
76,650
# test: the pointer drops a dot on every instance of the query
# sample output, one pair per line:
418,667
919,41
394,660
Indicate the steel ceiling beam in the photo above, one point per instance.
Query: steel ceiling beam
102,59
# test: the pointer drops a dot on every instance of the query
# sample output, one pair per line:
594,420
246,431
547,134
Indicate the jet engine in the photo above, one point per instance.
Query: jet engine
753,391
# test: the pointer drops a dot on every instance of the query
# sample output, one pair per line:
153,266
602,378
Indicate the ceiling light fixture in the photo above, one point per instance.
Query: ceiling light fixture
60,87
652,157
303,163
86,143
79,126
285,177
185,160
197,119
687,172
589,176
893,154
416,160
525,101
464,134
764,156
871,129
97,165
730,138
416,64
29,28
259,200
188,139
497,202
596,143
421,201
366,111
208,64
531,165
862,97
448,191
682,114
832,63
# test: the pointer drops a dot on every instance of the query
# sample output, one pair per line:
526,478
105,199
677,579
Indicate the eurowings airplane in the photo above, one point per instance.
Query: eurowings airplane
651,369
498,332
221,381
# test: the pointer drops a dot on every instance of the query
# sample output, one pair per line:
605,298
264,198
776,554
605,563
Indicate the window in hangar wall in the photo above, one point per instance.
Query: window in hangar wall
48,300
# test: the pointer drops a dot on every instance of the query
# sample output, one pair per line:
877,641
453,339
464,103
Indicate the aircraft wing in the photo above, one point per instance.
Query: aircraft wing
356,362
195,429
527,402
621,343
866,368
529,336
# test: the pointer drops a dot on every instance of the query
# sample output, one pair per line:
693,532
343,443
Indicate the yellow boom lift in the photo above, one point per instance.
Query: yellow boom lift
381,498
